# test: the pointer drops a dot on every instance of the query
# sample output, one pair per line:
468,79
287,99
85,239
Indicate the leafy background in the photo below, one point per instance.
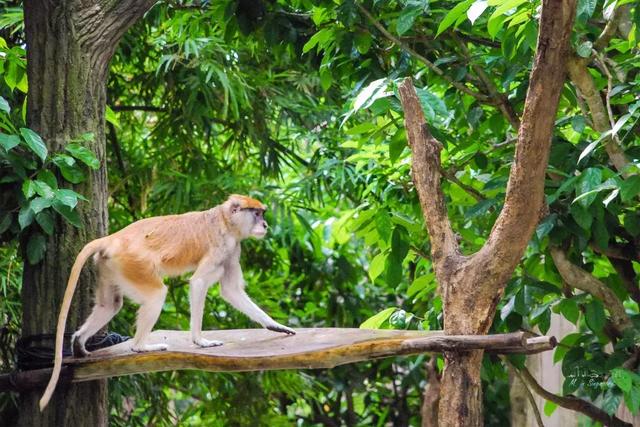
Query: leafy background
294,102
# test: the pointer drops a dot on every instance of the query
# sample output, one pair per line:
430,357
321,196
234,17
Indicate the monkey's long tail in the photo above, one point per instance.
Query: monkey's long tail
89,249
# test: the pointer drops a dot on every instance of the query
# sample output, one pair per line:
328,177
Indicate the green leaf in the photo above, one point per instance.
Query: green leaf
581,216
43,189
600,234
45,220
83,154
480,208
566,344
48,178
71,215
326,78
377,265
25,217
590,179
4,105
374,90
36,248
28,189
9,141
569,309
632,400
40,203
495,25
432,105
420,283
477,9
506,6
69,168
622,378
546,226
5,222
631,223
399,243
318,39
375,321
584,50
397,145
406,19
398,319
595,316
34,142
610,184
549,408
363,42
111,117
393,269
67,197
578,124
453,16
585,10
630,188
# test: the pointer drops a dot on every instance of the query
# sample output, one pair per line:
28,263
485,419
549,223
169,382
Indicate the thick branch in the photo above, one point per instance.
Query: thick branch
527,390
577,278
612,25
426,175
525,189
259,349
573,403
100,25
582,79
149,108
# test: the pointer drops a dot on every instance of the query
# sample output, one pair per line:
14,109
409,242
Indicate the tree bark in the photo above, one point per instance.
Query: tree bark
69,46
471,286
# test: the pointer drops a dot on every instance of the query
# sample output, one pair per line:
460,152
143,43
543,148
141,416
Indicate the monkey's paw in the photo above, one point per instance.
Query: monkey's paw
149,347
206,343
77,348
281,328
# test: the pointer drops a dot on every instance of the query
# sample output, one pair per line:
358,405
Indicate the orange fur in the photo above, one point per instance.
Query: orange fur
133,261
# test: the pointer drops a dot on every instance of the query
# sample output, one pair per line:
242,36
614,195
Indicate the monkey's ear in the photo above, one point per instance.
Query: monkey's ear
235,207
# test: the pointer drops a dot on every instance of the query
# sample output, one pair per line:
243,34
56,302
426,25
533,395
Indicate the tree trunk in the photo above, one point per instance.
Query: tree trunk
69,46
471,286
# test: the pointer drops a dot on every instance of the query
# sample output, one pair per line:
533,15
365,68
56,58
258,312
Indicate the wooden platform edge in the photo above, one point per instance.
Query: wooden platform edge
359,346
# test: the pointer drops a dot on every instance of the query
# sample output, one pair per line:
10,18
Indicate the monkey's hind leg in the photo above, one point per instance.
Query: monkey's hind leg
148,313
108,303
198,287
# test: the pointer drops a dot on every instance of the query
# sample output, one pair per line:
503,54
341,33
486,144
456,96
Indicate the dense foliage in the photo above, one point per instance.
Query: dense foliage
295,102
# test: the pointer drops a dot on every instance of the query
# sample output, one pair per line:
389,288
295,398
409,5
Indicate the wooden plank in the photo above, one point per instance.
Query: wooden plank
260,349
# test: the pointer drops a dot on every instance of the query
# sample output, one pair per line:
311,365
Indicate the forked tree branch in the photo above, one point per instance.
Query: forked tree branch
577,278
426,175
525,189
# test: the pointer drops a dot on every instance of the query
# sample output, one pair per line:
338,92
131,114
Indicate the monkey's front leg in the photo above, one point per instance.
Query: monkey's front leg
232,290
199,283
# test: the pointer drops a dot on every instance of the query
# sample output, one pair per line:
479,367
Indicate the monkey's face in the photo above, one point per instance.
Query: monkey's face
251,222
259,228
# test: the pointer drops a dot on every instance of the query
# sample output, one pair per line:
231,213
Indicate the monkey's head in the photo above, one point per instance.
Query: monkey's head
246,215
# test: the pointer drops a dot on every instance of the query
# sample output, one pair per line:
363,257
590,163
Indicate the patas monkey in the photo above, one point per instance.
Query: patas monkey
134,260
